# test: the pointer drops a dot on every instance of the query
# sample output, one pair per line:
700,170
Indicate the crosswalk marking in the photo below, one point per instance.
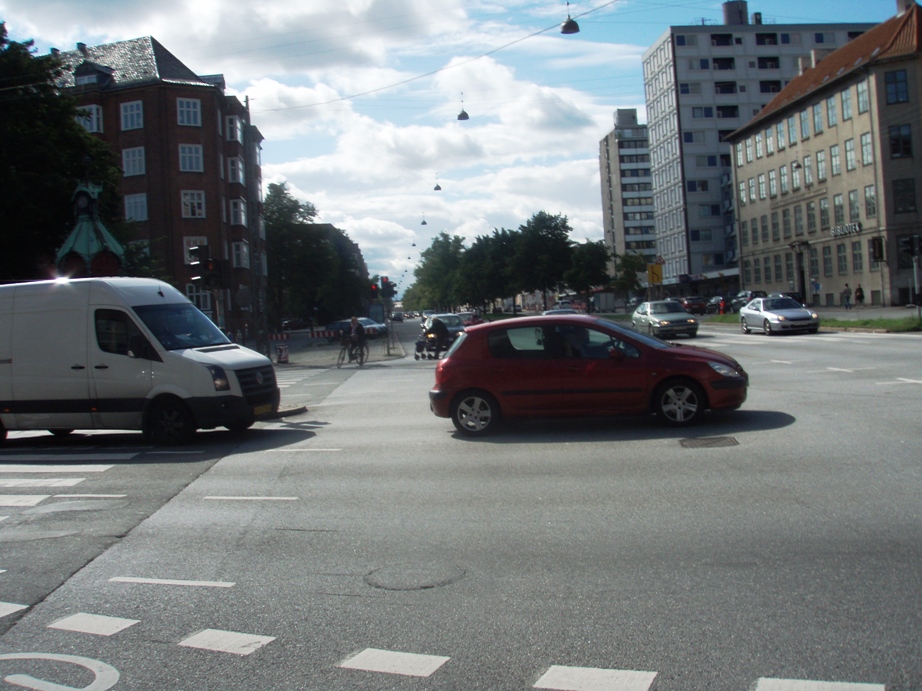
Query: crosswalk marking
226,641
391,662
40,482
593,679
17,468
22,499
169,581
219,498
7,608
803,685
95,624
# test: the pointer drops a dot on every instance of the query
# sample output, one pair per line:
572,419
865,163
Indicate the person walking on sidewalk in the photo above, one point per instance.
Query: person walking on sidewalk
847,297
859,297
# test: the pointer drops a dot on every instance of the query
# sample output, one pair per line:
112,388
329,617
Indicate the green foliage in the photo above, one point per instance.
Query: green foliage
44,153
588,268
628,268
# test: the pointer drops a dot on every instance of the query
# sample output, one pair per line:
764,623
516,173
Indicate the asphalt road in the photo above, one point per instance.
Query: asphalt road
364,545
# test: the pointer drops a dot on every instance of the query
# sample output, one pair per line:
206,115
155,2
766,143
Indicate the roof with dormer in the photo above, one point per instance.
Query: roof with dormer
134,62
898,37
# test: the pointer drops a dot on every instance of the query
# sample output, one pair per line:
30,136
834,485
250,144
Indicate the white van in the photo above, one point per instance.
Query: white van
123,353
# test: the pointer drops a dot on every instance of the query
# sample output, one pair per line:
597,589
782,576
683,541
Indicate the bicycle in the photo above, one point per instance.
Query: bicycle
360,356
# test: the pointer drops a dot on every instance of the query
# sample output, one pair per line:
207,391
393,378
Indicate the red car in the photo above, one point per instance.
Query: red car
577,365
694,304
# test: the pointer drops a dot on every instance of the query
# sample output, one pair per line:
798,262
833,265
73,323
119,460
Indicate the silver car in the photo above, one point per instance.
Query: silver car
777,315
664,318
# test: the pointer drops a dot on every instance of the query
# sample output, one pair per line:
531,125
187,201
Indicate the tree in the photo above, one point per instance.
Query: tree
628,267
588,269
44,153
542,253
438,271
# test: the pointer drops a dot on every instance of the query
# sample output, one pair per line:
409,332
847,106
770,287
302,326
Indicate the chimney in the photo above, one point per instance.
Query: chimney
804,63
82,48
756,17
736,12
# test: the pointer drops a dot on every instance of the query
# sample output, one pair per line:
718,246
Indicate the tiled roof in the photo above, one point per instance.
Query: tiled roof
134,62
897,37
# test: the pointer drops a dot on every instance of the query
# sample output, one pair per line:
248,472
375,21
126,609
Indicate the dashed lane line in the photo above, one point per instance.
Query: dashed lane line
171,581
22,499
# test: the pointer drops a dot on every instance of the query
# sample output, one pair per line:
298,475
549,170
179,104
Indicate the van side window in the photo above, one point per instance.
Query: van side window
114,331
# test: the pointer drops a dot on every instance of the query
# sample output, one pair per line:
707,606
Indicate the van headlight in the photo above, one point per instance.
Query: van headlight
221,382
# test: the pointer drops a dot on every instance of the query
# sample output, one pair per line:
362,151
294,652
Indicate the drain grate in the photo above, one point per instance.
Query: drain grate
708,442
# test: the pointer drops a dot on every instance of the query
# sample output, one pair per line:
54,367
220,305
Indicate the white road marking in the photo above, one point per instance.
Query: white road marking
169,581
593,679
253,498
3,518
90,496
42,482
390,662
15,468
93,623
298,450
226,641
801,685
10,607
22,499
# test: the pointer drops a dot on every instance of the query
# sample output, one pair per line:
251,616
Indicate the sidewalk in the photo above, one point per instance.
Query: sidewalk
866,312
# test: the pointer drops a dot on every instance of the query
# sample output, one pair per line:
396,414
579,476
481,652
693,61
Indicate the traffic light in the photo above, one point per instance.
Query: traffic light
374,291
916,245
198,263
387,289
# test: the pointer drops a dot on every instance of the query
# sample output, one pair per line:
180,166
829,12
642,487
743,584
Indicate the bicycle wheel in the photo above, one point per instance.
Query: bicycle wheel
342,356
362,354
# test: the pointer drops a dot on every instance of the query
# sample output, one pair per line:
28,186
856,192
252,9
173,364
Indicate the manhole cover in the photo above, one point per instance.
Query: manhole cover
708,442
414,576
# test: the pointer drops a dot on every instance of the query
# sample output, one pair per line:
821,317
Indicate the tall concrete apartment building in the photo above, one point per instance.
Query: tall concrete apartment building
627,187
190,164
703,82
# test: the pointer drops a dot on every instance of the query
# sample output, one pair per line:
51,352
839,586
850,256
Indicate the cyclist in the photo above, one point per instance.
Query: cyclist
356,337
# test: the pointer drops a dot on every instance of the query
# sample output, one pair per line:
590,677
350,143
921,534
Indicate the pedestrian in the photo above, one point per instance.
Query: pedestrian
859,296
847,297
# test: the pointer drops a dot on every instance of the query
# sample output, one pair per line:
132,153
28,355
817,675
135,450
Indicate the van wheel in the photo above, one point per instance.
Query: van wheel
169,423
61,432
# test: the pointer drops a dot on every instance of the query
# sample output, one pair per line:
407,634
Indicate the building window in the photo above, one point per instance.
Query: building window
749,150
238,212
867,151
811,217
789,266
778,268
235,170
769,141
854,209
808,170
838,207
870,202
190,158
814,262
702,112
897,87
831,112
785,223
241,257
850,161
199,296
863,104
792,130
690,88
798,220
234,129
827,260
744,232
133,161
193,204
821,166
136,207
846,96
772,183
767,262
752,189
189,112
857,257
817,118
904,195
824,213
795,176
742,191
842,258
783,176
900,141
761,185
776,228
804,125
835,163
759,152
780,132
132,115
724,87
90,117
757,271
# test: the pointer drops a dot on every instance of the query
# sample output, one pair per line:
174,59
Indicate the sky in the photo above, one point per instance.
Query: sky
358,99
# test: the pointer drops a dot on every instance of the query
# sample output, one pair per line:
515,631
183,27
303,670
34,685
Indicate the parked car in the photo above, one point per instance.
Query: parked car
336,327
470,318
792,295
562,310
744,297
694,304
577,365
373,329
777,315
718,304
295,324
664,318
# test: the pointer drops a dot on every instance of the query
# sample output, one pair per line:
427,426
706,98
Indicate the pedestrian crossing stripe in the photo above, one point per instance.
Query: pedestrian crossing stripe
391,662
804,685
95,624
18,468
593,679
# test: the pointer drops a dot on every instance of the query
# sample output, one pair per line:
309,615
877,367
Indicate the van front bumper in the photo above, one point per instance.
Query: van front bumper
224,411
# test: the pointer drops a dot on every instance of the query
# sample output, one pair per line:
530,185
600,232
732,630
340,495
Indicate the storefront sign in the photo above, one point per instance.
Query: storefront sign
846,229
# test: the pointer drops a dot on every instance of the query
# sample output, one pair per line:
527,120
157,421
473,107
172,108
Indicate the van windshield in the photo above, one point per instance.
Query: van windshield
180,326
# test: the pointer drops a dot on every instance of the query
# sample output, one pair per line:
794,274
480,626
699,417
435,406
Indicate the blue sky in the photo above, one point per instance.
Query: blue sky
358,99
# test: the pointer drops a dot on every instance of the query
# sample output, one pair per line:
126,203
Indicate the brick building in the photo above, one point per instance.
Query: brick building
191,168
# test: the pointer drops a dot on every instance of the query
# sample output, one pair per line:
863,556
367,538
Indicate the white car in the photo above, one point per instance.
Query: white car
777,315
